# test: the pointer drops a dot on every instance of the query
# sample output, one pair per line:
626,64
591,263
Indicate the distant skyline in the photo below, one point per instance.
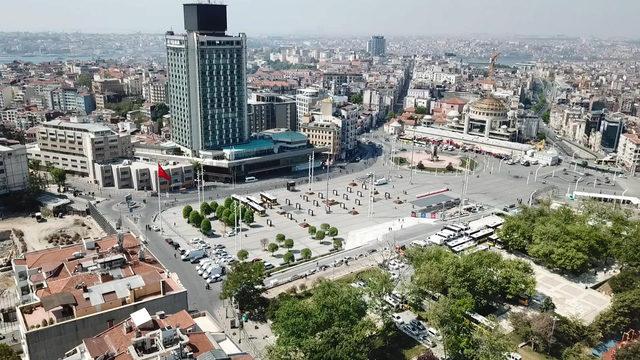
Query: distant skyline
604,19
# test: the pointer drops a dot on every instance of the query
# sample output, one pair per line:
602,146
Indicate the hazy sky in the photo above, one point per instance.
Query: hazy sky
602,18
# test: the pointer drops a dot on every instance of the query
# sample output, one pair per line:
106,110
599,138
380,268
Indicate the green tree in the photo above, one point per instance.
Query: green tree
629,352
421,110
288,257
312,230
228,202
449,315
420,166
280,238
205,226
487,344
332,231
288,243
226,212
623,314
59,177
84,80
248,217
214,206
242,255
355,99
325,226
220,213
337,243
34,164
331,324
320,235
186,211
230,220
272,248
306,253
195,218
158,111
244,283
391,115
205,209
7,353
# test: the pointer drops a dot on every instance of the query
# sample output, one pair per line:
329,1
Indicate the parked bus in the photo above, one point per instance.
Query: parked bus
268,198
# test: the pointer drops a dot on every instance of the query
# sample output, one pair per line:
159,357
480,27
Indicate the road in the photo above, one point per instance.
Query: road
493,183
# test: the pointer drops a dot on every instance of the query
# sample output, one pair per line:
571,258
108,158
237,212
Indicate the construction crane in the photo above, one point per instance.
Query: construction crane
492,65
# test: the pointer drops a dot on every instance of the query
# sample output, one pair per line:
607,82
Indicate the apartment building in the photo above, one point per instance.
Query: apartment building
271,111
72,100
77,291
155,91
306,100
76,146
324,134
629,152
14,170
159,337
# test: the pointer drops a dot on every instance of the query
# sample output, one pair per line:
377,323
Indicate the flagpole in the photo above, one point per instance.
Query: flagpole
159,193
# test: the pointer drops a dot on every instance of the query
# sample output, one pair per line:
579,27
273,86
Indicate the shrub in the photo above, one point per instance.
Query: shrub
320,235
243,255
312,230
186,211
195,218
337,243
205,209
288,257
306,253
273,247
288,243
280,238
214,206
205,226
325,226
332,231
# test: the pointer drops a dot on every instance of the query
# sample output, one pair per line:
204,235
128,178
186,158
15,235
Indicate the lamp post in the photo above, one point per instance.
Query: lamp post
576,187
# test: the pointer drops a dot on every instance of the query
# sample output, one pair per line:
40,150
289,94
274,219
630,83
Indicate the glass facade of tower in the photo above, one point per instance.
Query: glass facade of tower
222,86
178,90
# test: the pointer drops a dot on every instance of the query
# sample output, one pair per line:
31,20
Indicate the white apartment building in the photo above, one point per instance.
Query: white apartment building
306,100
76,147
14,170
629,152
155,91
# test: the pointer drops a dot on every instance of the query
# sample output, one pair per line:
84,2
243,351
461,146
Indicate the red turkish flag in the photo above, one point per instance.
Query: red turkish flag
163,174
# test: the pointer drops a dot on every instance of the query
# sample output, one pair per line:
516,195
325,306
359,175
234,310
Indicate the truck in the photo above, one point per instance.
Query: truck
193,255
39,217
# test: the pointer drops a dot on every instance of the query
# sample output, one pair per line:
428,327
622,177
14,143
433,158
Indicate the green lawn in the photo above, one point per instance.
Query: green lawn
400,347
526,352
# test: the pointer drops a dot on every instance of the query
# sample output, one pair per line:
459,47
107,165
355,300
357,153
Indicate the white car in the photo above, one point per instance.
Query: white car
214,278
155,228
513,356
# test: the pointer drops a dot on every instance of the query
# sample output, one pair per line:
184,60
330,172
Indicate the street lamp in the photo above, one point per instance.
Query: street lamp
576,187
535,179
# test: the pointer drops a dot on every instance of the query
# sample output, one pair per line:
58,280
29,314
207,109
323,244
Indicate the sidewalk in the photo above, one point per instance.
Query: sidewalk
331,273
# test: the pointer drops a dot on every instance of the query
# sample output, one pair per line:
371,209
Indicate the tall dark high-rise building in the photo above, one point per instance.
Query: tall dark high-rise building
377,46
207,81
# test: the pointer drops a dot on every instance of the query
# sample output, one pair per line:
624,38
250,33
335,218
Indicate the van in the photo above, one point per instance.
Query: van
250,179
193,255
380,182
